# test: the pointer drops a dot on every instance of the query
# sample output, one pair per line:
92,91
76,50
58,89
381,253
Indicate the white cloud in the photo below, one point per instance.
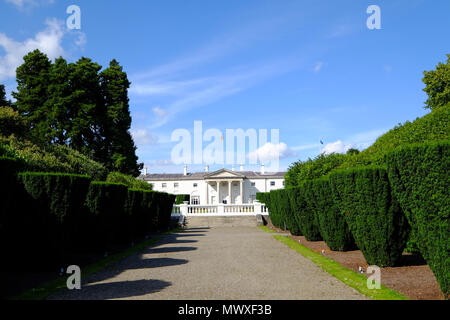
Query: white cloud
318,66
143,137
159,112
22,4
270,151
49,41
336,147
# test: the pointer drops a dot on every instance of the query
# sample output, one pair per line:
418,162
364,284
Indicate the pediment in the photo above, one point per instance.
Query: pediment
223,174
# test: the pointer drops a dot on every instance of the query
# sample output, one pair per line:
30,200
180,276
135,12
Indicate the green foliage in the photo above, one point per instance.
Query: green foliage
263,197
11,122
332,224
276,216
434,126
54,202
180,198
438,85
129,181
33,79
295,207
306,214
120,149
53,158
3,101
106,203
312,169
374,216
78,106
420,180
165,203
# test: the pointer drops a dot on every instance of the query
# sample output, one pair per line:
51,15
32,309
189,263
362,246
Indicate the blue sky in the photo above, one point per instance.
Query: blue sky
311,69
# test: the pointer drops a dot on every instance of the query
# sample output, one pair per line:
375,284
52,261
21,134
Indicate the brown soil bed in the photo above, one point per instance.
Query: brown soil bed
412,278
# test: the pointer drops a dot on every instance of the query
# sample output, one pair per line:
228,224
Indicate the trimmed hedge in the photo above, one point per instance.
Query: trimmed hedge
165,203
295,205
263,197
9,219
135,211
306,213
276,217
420,180
180,198
378,225
52,213
332,224
106,203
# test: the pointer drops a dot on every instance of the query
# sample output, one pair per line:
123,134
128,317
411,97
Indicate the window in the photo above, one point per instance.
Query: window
195,185
195,200
175,185
164,185
272,183
253,184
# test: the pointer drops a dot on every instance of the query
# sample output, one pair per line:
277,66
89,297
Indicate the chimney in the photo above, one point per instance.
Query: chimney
263,170
241,167
185,170
232,167
206,168
145,171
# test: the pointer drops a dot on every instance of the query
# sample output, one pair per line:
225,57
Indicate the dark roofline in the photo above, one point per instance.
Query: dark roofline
202,175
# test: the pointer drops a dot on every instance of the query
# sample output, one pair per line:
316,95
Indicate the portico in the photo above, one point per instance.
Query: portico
224,186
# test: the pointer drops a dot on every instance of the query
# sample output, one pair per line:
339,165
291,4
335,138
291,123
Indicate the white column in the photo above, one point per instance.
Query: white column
218,192
242,191
207,200
229,191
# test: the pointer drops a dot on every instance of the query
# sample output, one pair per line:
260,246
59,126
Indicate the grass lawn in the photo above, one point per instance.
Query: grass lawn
347,276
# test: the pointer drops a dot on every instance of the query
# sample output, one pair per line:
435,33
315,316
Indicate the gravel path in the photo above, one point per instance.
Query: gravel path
216,263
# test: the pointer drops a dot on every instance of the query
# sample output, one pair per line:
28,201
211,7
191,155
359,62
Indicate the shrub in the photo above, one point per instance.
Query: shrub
135,210
11,122
263,197
285,212
374,216
180,198
293,197
274,211
164,209
432,127
130,181
313,169
52,158
9,190
55,212
332,224
306,213
420,180
106,202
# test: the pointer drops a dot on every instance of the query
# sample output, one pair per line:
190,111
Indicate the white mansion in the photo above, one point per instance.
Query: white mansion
220,187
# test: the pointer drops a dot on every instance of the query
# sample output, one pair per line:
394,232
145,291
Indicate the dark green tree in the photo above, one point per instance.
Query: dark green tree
438,85
3,101
118,149
59,103
86,112
31,96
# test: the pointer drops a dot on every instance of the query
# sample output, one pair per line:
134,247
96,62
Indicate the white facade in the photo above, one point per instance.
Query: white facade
222,186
